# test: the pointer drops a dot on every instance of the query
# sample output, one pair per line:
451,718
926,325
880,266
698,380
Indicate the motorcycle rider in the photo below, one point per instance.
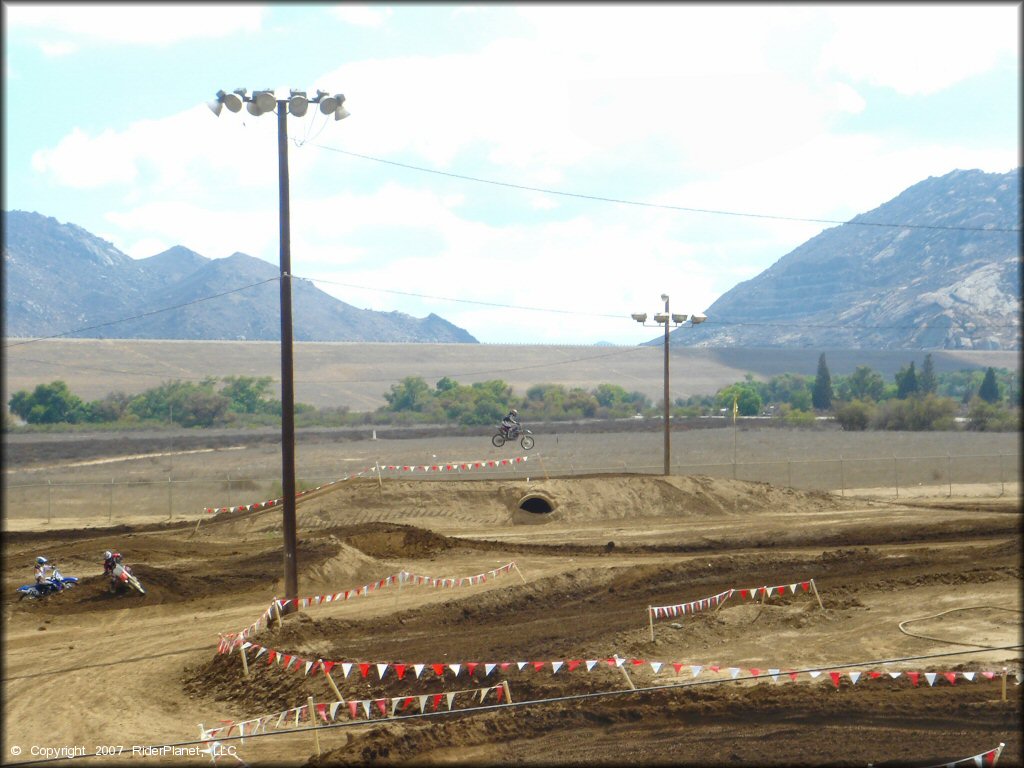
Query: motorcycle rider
110,560
510,422
43,573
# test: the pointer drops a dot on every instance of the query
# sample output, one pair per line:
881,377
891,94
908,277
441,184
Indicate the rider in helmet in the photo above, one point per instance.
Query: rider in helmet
43,571
110,560
510,422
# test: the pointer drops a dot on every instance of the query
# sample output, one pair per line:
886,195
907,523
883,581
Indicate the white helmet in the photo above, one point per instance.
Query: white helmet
515,412
41,560
107,555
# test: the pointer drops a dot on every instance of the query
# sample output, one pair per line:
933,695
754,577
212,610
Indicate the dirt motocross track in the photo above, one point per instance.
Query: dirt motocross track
899,584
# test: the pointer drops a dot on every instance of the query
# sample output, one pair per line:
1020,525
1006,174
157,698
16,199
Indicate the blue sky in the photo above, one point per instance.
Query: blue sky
814,111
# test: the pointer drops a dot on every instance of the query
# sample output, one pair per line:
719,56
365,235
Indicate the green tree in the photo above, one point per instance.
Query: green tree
927,383
864,384
247,394
989,390
113,407
906,382
854,416
50,403
748,401
410,394
821,395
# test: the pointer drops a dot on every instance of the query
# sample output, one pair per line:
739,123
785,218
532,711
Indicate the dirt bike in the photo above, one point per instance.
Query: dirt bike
122,578
507,436
57,583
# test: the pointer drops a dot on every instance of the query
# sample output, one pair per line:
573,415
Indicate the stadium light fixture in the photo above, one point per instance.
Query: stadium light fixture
668,320
259,103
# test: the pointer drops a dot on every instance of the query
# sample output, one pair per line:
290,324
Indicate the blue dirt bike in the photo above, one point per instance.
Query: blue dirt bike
57,583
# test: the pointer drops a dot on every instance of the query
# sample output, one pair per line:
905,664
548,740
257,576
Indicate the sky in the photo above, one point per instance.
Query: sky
532,173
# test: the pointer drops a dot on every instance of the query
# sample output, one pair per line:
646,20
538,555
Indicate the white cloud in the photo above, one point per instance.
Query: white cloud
139,24
921,48
361,15
58,49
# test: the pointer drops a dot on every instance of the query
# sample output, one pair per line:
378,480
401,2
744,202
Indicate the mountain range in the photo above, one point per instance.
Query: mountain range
937,267
60,277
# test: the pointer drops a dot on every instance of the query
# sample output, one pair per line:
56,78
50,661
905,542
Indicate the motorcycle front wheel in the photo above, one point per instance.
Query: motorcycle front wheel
497,441
526,442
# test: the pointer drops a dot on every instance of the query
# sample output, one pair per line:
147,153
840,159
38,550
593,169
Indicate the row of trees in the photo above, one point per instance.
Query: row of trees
862,400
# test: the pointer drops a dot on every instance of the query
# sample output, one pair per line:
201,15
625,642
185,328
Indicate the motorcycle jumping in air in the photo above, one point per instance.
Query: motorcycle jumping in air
508,435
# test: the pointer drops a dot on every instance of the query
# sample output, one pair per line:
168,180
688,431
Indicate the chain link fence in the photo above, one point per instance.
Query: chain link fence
188,497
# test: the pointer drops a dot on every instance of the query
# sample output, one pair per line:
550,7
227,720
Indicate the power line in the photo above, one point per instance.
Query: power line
142,314
664,206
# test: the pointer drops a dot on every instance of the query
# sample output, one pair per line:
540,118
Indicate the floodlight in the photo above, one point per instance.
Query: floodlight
265,100
697,319
233,101
678,318
216,105
341,113
298,103
329,104
640,317
661,317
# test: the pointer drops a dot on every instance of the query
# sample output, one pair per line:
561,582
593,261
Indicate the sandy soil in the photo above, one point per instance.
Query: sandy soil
899,583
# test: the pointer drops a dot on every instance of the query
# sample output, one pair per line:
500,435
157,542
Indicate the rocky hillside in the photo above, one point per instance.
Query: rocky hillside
59,277
946,276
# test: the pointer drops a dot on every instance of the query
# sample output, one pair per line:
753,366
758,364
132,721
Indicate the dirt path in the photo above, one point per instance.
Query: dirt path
931,576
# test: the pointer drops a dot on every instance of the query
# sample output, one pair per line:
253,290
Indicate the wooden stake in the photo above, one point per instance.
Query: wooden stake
628,678
380,483
540,457
514,565
316,725
277,612
333,686
245,661
815,588
1004,683
508,693
650,620
196,529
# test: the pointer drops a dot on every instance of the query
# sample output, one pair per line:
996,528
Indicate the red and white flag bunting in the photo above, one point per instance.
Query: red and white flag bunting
983,760
289,661
751,593
451,466
356,708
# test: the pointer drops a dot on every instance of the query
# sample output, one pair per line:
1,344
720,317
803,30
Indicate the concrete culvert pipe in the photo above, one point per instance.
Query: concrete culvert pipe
537,503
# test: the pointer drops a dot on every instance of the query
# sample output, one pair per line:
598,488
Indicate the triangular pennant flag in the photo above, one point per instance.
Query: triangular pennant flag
835,678
538,665
364,668
366,706
400,670
260,652
775,674
951,676
555,666
334,708
423,703
381,669
713,667
743,594
417,668
488,668
656,666
346,667
792,675
573,663
814,673
352,708
470,666
805,586
969,676
308,665
271,656
382,705
328,666
438,669
591,663
854,677
321,709
894,675
913,677
449,696
874,675
755,671
930,677
437,700
455,668
989,675
734,671
792,589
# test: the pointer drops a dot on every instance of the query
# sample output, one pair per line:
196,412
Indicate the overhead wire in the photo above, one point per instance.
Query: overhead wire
664,206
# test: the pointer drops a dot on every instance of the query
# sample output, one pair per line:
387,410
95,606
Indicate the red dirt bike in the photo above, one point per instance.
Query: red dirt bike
122,579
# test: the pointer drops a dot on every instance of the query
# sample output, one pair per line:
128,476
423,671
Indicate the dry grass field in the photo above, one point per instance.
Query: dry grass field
357,375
